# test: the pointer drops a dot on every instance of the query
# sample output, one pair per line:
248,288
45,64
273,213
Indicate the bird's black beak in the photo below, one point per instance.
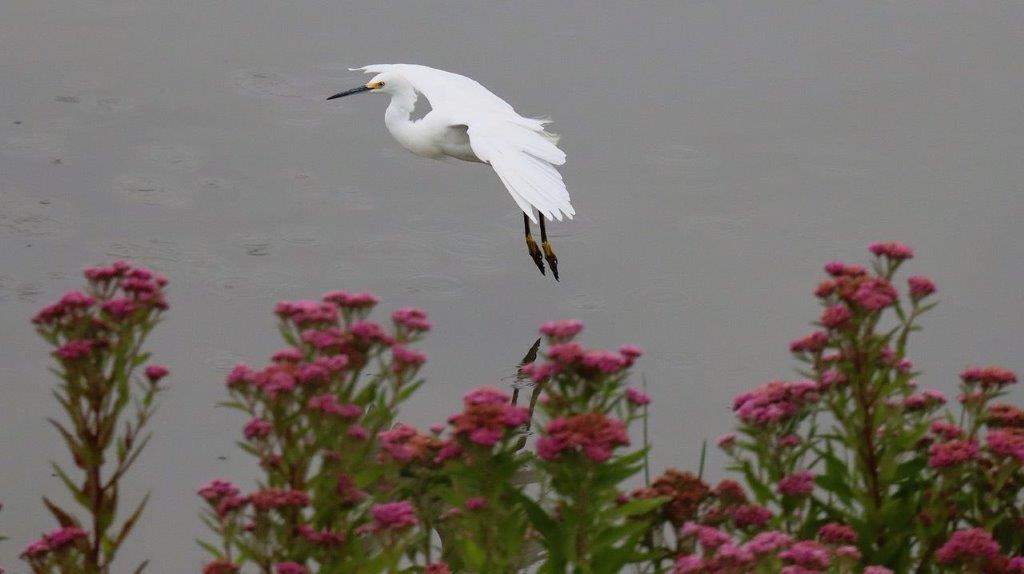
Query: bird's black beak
350,92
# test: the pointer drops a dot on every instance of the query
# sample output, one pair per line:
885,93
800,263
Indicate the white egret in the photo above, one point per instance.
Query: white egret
470,123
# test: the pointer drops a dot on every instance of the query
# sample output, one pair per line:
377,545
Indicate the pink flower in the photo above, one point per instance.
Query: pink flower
593,434
566,353
688,564
369,332
290,568
1015,565
631,352
768,542
393,516
36,549
836,316
486,396
812,343
1007,442
240,375
437,568
63,537
891,250
952,453
708,536
875,293
947,430
988,376
920,287
727,440
835,533
75,350
415,320
322,537
877,570
119,308
287,355
637,397
751,515
77,300
357,432
329,339
220,567
404,443
808,554
926,400
278,498
561,330
476,503
351,300
405,357
156,372
605,362
106,273
304,313
848,551
788,441
797,484
217,489
348,492
774,401
972,546
256,428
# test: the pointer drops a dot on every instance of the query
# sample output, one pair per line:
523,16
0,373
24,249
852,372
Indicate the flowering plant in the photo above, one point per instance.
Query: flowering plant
97,337
851,468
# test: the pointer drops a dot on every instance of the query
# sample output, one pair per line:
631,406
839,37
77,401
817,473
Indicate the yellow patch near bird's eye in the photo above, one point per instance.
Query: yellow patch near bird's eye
375,85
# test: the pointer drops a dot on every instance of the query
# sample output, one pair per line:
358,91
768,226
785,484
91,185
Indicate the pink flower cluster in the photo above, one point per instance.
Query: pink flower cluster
988,377
1007,442
892,250
391,516
345,300
593,434
273,498
561,330
813,343
952,453
290,568
974,546
487,416
55,541
404,443
411,319
797,484
774,401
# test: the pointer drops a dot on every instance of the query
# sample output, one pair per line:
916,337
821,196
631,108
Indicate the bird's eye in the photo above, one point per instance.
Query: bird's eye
380,85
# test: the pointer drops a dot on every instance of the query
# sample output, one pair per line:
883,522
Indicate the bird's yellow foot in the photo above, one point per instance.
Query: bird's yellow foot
531,246
549,254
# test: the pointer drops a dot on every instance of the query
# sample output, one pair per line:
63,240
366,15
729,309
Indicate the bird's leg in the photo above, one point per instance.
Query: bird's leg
531,245
549,253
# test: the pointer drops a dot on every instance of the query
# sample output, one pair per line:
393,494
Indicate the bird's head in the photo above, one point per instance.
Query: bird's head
384,82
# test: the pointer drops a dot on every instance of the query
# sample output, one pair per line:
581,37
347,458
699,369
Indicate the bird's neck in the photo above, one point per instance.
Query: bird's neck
397,119
403,102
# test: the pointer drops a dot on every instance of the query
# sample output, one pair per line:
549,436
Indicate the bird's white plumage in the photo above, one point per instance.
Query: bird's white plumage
520,150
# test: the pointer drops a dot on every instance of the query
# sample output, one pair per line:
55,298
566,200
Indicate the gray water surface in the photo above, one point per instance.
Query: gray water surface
719,152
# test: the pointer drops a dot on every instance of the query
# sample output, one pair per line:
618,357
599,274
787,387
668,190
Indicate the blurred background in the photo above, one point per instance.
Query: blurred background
719,153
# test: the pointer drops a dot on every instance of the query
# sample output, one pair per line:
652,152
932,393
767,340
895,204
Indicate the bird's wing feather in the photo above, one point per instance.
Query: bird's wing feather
525,162
444,89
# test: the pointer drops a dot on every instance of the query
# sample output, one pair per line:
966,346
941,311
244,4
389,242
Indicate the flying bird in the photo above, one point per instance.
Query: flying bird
468,122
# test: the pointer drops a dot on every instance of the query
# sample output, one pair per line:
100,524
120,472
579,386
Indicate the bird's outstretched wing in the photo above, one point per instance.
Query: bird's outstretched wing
525,161
445,89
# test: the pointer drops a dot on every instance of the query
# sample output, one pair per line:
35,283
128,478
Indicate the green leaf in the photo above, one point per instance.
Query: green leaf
638,506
